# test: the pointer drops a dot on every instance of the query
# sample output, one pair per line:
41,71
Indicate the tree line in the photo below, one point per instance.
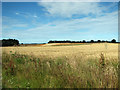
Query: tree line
9,42
92,41
14,42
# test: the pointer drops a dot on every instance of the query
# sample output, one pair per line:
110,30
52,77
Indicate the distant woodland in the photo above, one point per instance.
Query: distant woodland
14,42
92,41
9,42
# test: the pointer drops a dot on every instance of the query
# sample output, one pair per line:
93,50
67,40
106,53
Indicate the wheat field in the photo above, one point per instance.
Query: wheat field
94,50
64,65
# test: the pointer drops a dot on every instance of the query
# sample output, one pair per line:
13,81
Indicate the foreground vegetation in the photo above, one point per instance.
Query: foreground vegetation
27,71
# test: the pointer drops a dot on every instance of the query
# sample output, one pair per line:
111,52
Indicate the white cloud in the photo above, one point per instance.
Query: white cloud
0,27
26,15
68,9
35,16
17,13
85,28
60,0
70,0
105,26
8,23
20,25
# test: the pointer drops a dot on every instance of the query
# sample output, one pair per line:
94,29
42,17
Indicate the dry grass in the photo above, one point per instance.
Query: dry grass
89,65
89,50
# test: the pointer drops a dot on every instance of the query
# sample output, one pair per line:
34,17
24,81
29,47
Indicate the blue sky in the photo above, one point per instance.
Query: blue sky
32,22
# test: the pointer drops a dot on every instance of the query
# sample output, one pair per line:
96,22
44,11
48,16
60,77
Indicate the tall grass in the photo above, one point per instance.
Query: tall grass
24,71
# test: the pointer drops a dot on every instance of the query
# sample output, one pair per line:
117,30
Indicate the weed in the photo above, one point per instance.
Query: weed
25,71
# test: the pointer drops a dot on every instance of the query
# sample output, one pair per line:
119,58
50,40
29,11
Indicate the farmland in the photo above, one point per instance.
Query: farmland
61,66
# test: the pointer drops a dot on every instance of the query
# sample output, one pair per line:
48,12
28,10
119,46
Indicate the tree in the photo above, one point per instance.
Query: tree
92,41
99,41
10,42
103,40
84,41
113,41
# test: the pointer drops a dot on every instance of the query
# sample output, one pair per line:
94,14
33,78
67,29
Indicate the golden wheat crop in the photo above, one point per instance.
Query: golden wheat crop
110,50
91,65
83,51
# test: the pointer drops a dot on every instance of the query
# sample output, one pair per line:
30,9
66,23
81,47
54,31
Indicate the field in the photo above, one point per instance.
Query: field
61,66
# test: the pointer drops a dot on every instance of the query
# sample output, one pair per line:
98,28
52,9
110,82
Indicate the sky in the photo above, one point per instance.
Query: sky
39,22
